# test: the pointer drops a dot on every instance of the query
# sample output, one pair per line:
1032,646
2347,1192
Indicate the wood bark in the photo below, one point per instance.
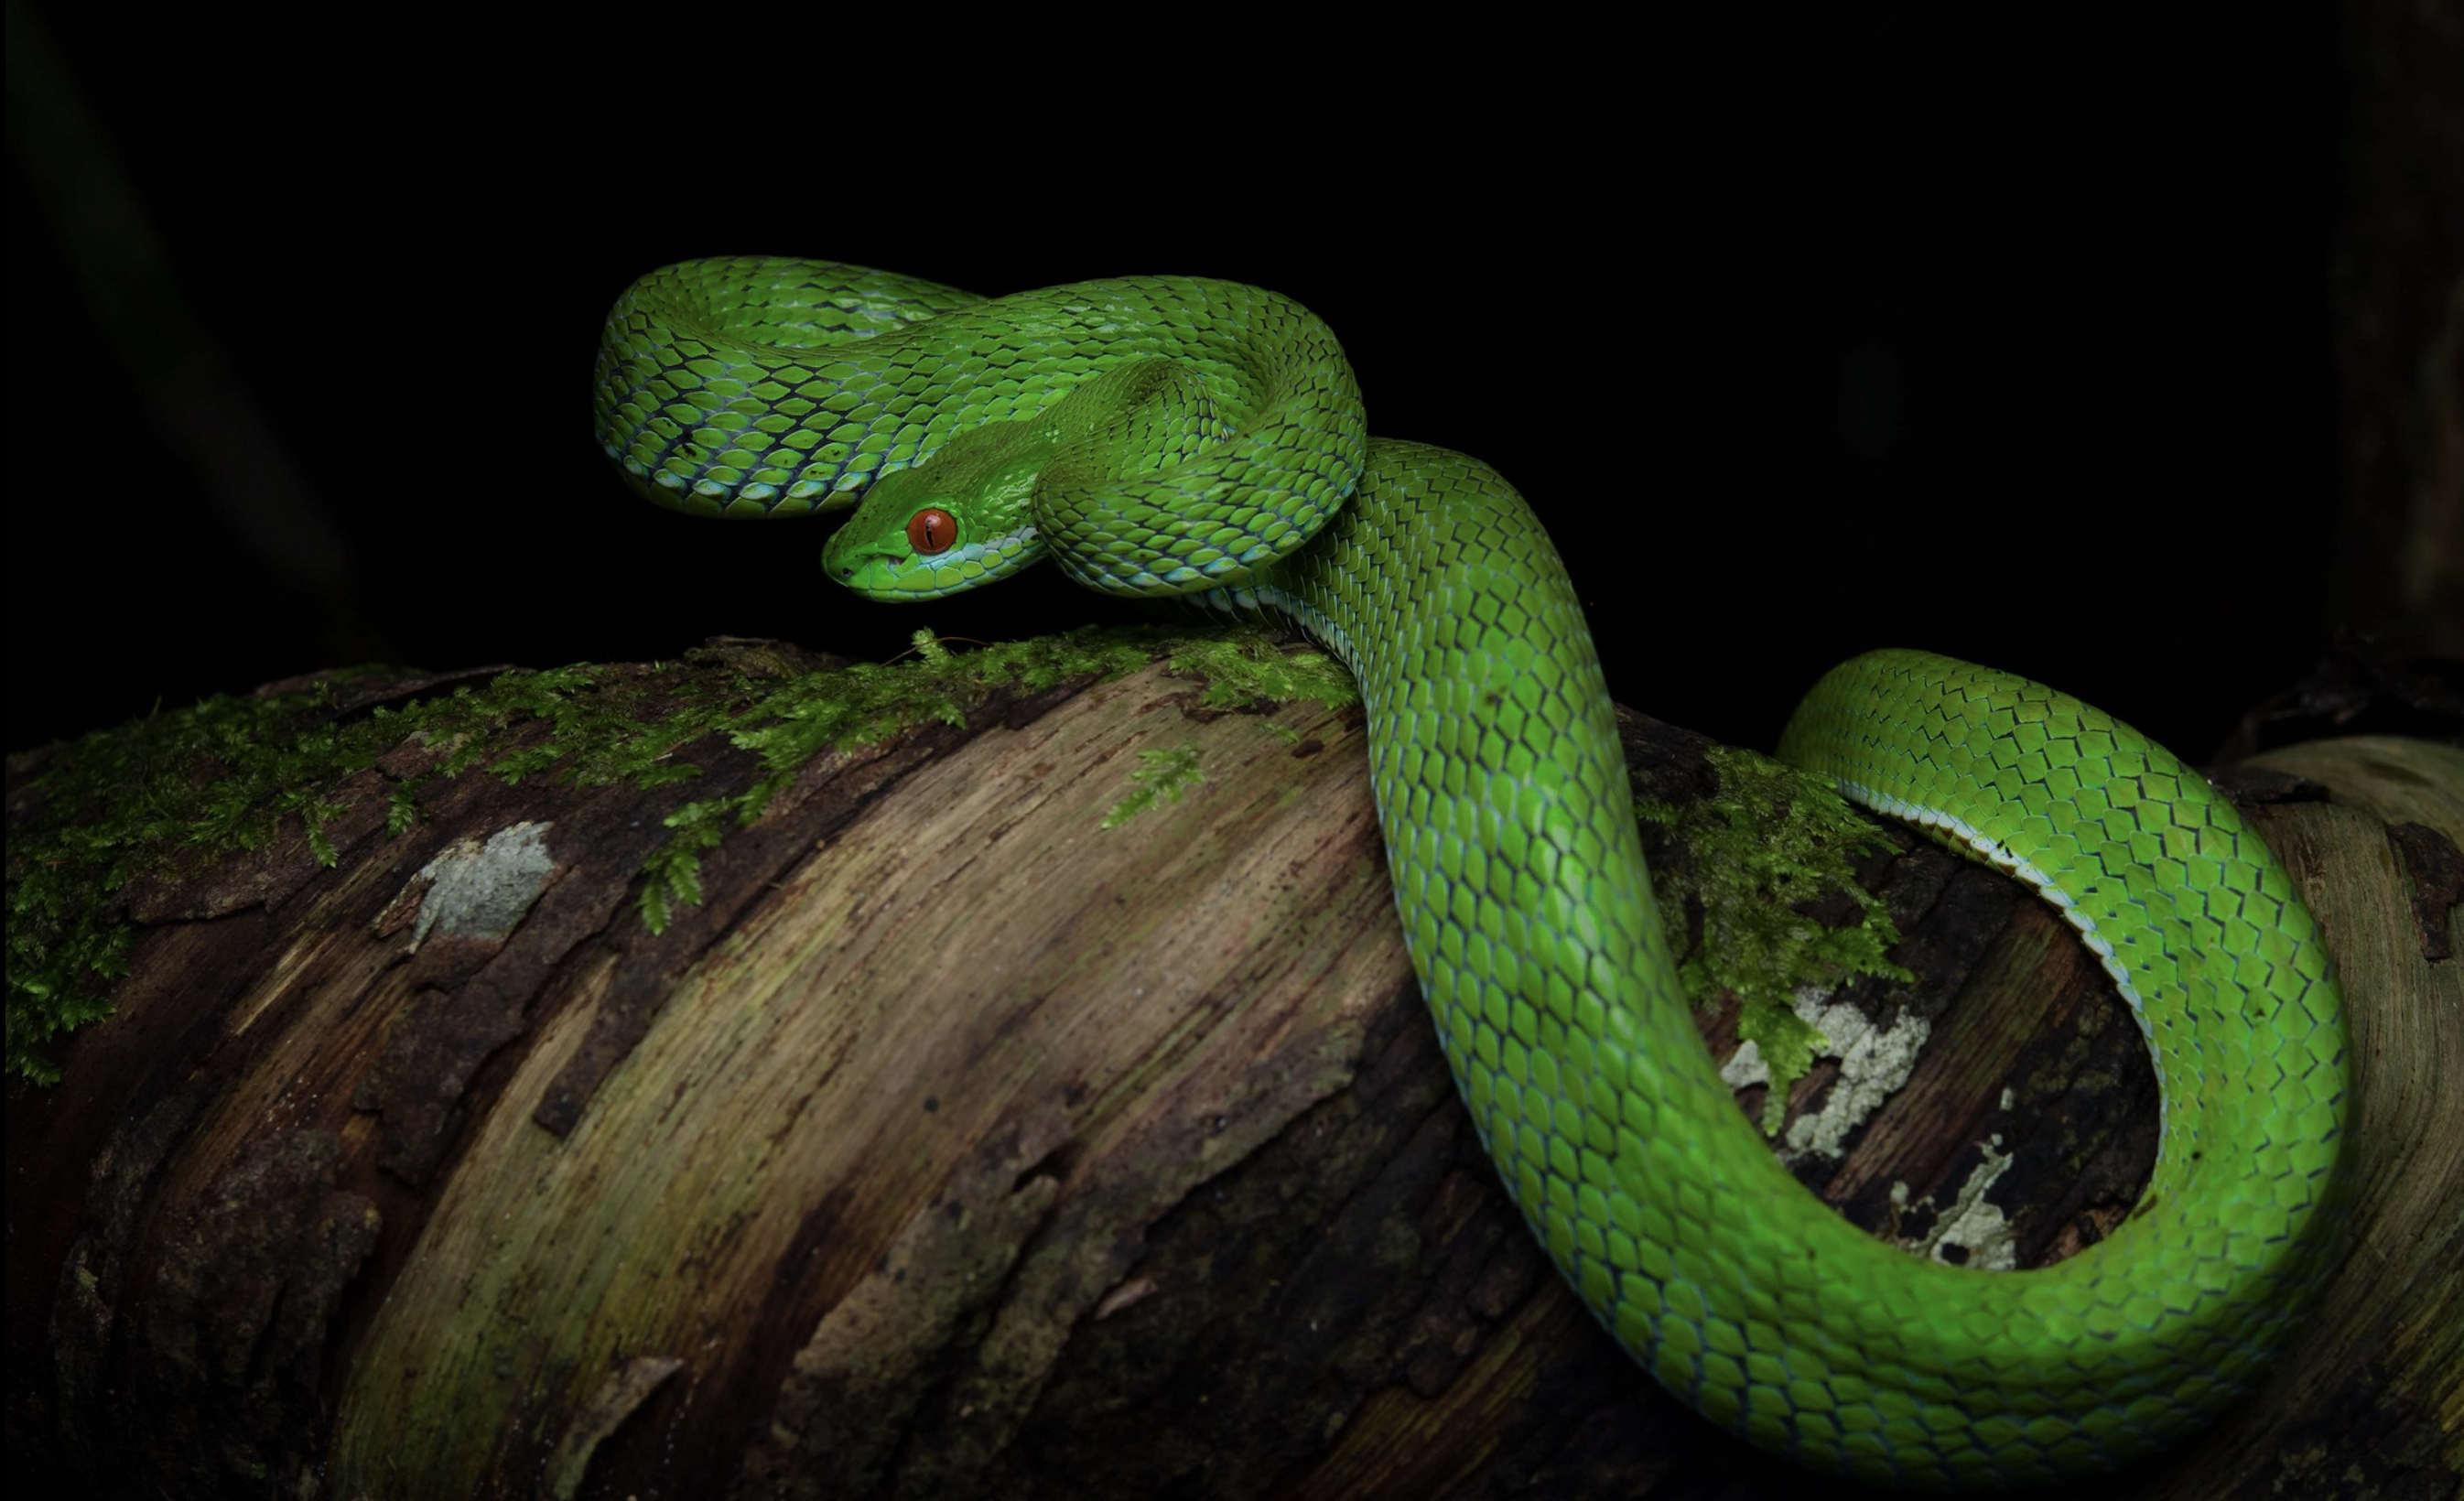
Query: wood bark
955,1145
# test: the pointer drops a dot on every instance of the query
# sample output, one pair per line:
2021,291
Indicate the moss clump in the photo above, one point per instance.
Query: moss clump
1242,668
1768,842
181,788
1162,776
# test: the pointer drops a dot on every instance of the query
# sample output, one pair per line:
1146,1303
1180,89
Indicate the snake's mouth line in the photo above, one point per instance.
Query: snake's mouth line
886,576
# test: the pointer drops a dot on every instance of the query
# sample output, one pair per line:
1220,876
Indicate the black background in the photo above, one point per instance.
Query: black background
2005,336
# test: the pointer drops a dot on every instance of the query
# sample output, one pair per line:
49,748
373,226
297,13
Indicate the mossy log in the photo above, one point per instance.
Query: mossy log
956,1144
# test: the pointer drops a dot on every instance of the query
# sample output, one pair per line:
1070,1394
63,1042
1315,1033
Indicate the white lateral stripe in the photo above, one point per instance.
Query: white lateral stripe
1992,851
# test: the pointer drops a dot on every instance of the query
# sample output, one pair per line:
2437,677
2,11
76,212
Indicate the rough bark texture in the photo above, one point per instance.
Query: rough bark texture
955,1145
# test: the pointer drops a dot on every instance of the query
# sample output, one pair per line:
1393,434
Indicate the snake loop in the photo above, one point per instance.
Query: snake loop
1166,434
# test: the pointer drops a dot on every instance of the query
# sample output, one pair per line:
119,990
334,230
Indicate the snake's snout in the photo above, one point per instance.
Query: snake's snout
843,557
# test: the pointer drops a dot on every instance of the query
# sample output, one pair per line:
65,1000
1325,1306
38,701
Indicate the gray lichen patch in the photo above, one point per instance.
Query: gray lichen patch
1873,1063
483,890
1971,1231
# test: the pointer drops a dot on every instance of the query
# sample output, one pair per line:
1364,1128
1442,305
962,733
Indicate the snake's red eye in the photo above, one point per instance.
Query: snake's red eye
932,531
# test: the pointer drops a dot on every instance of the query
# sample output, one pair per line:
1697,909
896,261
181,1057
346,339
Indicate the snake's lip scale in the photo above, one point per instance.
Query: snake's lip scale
1518,872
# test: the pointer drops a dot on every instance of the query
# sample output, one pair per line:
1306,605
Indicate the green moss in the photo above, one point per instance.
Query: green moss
173,792
1242,668
225,775
1769,840
1162,776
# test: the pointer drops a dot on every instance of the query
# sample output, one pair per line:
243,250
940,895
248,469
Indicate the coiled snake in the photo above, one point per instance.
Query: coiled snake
1178,435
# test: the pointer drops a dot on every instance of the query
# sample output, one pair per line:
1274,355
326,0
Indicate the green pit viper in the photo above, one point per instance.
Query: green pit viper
1175,435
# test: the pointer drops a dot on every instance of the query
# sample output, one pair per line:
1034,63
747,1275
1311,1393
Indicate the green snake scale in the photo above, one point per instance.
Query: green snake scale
1159,436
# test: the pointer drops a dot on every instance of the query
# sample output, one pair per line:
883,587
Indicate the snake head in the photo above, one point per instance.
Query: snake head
959,520
968,515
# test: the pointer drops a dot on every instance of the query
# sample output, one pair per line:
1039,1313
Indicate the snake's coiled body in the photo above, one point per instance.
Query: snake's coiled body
1518,869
